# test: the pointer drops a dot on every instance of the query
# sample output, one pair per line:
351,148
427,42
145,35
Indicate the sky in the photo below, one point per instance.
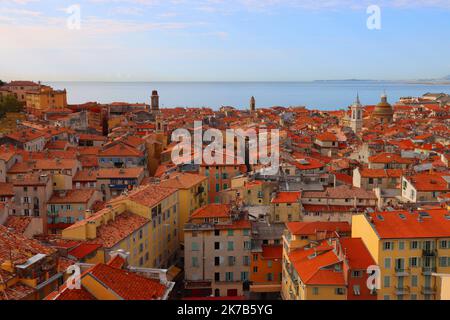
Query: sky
223,40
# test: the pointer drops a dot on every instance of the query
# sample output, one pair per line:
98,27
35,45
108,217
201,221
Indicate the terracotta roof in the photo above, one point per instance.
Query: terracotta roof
25,135
357,254
341,192
128,285
381,173
108,173
213,210
84,250
17,291
18,224
310,228
150,195
327,136
287,197
85,175
72,196
179,180
20,248
390,158
429,182
402,224
120,150
121,227
74,294
309,266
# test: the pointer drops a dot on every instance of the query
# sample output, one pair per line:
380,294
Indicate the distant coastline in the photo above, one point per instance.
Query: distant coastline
320,94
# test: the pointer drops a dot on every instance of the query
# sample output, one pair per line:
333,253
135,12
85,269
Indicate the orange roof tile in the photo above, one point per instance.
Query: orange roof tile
402,224
287,197
213,210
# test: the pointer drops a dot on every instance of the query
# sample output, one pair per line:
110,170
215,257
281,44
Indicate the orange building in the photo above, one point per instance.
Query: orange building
44,98
266,269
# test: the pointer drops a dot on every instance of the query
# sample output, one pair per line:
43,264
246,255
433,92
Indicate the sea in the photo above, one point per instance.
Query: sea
321,95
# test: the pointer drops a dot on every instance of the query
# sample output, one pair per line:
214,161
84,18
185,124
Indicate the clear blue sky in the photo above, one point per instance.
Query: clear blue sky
224,40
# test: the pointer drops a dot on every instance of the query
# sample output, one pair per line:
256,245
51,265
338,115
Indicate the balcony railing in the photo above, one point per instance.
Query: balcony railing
429,252
401,290
428,290
428,270
401,272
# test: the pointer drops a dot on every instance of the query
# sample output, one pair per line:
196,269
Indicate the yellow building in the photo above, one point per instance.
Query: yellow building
193,194
296,237
44,98
408,247
143,223
286,207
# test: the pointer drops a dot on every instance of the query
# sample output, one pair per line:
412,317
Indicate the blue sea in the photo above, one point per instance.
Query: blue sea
323,95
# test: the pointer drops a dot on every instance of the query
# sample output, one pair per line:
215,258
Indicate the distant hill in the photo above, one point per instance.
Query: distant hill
446,78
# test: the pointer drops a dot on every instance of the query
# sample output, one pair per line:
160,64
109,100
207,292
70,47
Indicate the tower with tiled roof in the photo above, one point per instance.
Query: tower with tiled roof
155,101
252,105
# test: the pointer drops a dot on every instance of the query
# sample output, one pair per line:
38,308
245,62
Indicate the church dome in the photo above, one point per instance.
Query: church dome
383,109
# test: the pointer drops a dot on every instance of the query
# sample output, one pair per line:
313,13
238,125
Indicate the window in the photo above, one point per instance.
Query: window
414,245
414,281
231,261
217,233
246,232
195,246
217,261
387,263
255,257
270,276
216,245
269,264
401,245
247,245
356,274
315,291
230,246
244,276
443,244
388,245
195,262
387,281
413,262
357,290
255,269
246,260
340,291
230,233
217,276
229,276
443,261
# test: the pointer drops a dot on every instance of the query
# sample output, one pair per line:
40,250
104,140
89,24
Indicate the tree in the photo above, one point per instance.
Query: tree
2,83
10,104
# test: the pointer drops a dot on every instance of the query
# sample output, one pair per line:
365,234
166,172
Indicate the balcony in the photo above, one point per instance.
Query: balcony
428,290
429,252
401,272
401,290
428,270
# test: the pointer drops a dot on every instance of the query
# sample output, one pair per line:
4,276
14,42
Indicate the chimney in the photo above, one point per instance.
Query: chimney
87,214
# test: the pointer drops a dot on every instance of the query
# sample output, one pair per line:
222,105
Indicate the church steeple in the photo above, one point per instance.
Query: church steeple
356,120
252,104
